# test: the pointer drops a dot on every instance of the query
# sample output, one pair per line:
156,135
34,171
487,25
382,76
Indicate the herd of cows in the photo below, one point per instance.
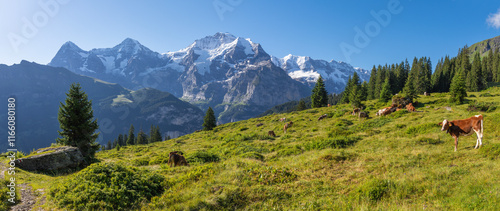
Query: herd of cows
455,128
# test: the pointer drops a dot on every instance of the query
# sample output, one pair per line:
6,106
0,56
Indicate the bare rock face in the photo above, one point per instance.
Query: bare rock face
52,159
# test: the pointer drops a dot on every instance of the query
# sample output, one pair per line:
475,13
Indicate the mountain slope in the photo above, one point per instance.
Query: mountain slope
216,71
401,161
308,70
38,89
484,46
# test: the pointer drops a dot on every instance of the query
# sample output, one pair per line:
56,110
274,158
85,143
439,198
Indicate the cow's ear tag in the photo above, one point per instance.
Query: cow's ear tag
449,124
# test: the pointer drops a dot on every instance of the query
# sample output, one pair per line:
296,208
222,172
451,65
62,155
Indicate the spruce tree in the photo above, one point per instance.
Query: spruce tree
77,123
142,138
319,95
372,84
131,136
121,141
209,122
385,93
301,106
457,89
108,146
409,90
154,134
346,92
356,96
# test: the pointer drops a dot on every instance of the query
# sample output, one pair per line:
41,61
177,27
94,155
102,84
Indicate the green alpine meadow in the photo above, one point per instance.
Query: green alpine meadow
402,161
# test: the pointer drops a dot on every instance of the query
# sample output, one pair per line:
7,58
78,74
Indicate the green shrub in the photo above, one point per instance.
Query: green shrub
371,124
375,189
289,150
143,161
339,131
484,95
106,186
342,122
336,142
491,150
482,106
253,155
420,129
4,196
400,126
338,113
202,157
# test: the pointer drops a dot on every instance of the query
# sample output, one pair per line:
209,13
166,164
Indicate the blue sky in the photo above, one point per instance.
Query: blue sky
35,30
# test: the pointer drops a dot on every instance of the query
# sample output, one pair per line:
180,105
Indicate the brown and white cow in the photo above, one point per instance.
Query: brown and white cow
465,127
355,111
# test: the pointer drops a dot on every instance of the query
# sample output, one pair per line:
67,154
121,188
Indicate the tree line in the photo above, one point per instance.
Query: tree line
456,75
131,139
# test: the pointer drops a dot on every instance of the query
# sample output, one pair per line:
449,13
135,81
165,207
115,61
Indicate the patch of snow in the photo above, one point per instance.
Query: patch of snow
108,62
84,54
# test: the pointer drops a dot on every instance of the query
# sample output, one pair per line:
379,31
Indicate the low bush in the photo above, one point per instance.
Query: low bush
420,129
202,157
336,142
375,189
106,186
253,155
289,150
375,123
4,196
482,106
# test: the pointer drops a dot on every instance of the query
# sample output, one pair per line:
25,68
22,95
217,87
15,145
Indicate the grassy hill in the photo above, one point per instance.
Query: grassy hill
484,46
402,161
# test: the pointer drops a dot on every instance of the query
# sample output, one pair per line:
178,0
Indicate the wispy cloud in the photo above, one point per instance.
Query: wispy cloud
494,19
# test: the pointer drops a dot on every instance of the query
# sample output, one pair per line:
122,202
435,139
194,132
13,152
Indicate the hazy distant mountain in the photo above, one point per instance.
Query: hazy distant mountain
232,74
308,70
39,89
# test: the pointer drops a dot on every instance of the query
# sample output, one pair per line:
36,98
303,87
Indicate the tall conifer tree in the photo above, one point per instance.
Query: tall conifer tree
319,97
77,123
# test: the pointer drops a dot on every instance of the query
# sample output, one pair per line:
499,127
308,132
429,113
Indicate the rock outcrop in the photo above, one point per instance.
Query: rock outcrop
52,159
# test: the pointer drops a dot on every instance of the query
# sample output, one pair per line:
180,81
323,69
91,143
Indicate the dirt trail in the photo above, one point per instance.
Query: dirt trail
27,197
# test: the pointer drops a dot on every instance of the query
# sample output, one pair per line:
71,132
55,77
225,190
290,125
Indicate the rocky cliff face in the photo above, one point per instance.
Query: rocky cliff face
220,71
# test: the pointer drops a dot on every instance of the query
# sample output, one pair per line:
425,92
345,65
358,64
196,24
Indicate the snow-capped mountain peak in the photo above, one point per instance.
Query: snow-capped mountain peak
129,46
71,46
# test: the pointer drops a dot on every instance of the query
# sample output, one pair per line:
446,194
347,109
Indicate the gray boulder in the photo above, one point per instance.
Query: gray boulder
52,159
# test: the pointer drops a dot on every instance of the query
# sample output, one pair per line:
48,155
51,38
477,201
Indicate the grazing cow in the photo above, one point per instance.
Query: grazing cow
176,159
410,107
427,94
322,117
464,127
355,111
362,115
283,119
287,125
329,105
260,124
386,111
271,133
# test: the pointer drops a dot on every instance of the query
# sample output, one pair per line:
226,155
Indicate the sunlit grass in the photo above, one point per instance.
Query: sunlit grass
399,162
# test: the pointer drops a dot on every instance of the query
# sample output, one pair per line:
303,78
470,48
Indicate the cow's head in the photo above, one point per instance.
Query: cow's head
445,125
